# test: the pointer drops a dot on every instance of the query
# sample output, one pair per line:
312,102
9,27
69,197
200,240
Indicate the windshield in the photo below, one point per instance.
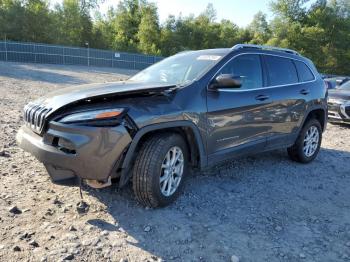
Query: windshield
345,86
179,69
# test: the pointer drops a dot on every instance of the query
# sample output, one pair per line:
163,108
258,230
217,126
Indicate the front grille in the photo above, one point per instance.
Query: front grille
35,116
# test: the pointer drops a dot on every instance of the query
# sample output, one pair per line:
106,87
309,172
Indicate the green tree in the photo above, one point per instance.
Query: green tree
28,20
126,25
12,10
103,30
260,29
149,30
292,10
317,29
38,23
74,23
170,41
322,34
229,33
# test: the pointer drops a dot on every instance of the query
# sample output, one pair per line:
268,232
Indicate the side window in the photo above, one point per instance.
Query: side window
304,72
248,67
281,71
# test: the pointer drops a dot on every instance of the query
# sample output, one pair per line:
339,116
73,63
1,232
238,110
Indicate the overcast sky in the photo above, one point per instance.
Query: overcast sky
240,12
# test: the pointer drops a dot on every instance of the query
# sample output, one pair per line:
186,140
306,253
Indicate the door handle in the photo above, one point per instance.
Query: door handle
304,92
262,97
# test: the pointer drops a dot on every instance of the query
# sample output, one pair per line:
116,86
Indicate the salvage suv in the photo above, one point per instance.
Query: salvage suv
191,110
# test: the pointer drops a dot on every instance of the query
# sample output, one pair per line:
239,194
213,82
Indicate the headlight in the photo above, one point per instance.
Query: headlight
93,116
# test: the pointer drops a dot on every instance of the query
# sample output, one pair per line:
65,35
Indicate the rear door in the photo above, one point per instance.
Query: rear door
288,98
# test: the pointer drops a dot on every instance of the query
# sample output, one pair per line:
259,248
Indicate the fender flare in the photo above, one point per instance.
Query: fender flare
312,108
126,165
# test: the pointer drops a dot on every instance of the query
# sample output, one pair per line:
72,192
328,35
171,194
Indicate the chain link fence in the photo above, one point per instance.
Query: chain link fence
65,55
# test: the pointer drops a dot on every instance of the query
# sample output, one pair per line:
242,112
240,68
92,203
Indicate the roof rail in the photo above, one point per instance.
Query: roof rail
265,47
183,52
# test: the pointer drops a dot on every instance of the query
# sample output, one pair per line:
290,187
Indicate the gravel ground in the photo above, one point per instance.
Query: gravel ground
260,208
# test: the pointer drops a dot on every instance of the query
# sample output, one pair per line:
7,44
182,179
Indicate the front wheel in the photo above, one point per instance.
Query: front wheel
160,169
308,143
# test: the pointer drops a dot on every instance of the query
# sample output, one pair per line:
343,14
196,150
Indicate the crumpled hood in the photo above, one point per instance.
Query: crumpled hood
343,94
65,96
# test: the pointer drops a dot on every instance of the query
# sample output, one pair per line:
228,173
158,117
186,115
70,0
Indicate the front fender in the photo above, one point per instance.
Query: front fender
128,159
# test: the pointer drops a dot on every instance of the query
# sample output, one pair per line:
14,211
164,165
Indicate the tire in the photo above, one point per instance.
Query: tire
297,152
149,169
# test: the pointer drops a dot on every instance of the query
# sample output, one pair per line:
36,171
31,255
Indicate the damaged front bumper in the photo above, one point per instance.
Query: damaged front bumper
71,151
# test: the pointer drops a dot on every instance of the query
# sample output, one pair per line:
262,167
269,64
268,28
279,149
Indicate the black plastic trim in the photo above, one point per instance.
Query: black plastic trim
126,174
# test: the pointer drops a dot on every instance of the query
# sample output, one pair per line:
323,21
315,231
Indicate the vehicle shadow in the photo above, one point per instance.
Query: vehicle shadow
55,74
257,207
341,125
21,71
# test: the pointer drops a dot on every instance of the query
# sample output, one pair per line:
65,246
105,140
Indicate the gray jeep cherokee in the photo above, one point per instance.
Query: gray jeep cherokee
190,110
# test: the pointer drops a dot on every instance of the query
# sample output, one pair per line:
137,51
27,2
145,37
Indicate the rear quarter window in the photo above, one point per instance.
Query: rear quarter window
304,72
280,70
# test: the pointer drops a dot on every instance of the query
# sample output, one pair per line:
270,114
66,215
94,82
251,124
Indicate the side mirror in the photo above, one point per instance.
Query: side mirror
226,81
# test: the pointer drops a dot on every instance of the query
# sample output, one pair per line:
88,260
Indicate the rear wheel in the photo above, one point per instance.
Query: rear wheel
308,143
160,169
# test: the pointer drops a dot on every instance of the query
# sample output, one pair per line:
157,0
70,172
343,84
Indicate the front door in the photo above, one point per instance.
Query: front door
239,119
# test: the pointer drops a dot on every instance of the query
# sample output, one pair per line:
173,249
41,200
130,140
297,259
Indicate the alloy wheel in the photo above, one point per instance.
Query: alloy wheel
171,171
311,140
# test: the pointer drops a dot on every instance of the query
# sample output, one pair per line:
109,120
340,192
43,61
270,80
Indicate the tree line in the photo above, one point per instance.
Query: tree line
317,29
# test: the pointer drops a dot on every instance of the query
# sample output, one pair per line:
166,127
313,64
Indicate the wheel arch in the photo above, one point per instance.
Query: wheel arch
318,113
187,129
